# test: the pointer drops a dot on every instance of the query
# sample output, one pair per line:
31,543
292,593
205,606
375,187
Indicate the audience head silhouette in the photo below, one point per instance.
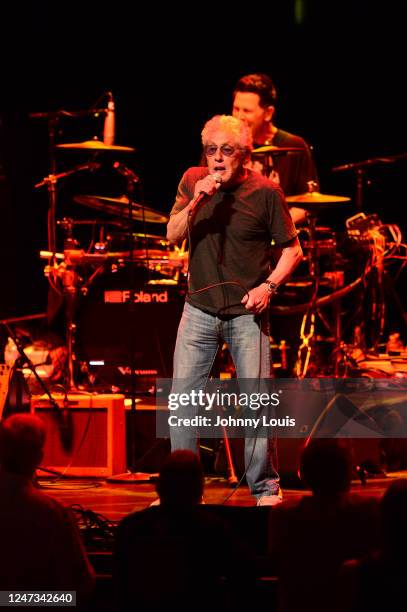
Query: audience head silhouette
181,479
326,467
393,511
22,438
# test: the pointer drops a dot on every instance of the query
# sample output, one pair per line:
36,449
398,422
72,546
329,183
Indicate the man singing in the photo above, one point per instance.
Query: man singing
231,215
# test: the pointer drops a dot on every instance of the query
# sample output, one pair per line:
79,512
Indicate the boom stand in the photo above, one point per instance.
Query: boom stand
65,430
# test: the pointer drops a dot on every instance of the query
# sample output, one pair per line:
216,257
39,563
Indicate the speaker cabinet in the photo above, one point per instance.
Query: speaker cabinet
88,436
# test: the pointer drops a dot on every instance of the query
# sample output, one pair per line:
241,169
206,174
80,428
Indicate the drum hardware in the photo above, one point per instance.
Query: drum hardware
314,202
50,182
67,223
321,302
79,257
168,263
68,276
60,114
119,207
66,270
366,228
322,246
382,242
151,250
388,159
280,349
74,285
119,241
266,153
360,169
359,225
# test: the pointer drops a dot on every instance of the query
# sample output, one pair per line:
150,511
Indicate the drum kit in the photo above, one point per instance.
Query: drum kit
325,277
124,291
323,271
123,278
337,270
97,282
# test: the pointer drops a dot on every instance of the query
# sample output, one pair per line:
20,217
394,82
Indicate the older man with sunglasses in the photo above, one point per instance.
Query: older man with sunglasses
230,216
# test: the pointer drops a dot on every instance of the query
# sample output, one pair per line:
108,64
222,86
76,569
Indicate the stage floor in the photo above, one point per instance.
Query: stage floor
115,501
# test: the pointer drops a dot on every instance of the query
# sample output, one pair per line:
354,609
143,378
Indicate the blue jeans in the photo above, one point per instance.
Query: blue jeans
247,337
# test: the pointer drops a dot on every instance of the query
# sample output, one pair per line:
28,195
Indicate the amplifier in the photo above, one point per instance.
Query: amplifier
88,438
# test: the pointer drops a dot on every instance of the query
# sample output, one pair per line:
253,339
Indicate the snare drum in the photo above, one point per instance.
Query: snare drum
154,252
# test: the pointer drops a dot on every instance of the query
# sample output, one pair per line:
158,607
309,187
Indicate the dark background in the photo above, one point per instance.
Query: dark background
339,69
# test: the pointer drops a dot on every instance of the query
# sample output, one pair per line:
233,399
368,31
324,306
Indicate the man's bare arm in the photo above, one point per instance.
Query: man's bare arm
259,297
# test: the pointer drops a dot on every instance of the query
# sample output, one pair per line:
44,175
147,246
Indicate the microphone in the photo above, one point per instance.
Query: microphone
125,171
218,181
109,126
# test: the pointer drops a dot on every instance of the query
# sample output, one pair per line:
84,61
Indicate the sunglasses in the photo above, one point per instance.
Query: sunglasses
225,149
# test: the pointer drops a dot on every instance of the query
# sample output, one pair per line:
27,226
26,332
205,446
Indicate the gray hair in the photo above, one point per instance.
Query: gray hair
238,129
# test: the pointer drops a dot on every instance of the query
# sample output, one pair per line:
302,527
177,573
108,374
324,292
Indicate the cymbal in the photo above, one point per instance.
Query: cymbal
388,159
94,145
314,199
275,150
119,208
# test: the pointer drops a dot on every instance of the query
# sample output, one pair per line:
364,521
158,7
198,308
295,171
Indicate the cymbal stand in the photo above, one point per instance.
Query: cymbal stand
360,172
70,283
66,271
268,164
361,181
309,316
51,182
53,118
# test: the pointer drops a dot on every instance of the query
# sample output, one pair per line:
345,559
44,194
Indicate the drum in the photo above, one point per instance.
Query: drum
130,315
154,252
320,260
320,253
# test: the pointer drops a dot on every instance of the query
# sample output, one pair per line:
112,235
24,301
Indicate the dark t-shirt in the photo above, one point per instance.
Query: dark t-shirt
231,236
294,169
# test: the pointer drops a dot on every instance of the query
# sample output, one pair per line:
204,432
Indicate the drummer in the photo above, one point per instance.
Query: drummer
254,100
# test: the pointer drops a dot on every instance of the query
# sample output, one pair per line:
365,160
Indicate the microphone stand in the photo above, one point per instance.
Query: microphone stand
131,475
51,186
66,440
